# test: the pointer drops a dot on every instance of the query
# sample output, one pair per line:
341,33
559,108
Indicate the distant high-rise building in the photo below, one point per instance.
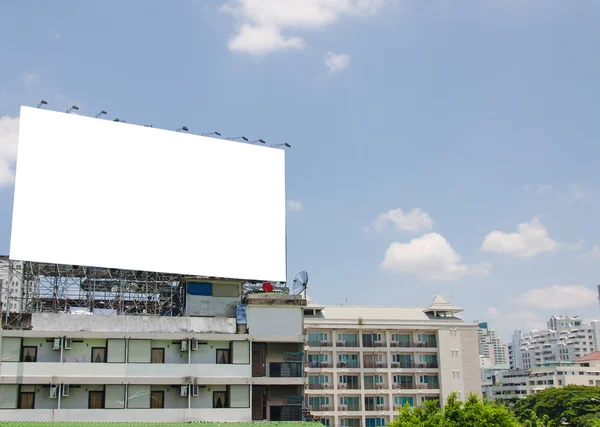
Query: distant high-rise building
565,340
491,346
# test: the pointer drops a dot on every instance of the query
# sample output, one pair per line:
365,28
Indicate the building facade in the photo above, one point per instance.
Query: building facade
13,294
491,346
565,339
363,363
232,357
509,384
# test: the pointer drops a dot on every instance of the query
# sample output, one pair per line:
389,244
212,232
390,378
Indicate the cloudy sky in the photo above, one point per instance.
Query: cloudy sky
437,147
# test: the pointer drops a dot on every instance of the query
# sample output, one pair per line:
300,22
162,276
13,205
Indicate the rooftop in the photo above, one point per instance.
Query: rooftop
589,357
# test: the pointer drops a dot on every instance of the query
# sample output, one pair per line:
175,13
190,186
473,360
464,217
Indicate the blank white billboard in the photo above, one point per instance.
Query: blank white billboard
105,194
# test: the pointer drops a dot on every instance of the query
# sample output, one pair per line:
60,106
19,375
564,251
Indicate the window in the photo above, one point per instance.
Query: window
285,370
374,422
352,403
349,360
157,399
26,400
318,379
220,399
350,422
428,359
98,355
428,339
96,400
223,356
29,354
347,340
325,422
402,340
403,400
318,400
158,355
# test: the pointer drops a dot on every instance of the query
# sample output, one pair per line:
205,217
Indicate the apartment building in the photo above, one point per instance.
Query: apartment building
13,294
566,339
233,356
363,363
510,384
491,346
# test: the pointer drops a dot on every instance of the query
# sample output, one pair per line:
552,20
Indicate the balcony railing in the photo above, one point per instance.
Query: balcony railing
316,343
347,364
372,364
373,407
413,344
349,408
374,386
412,365
431,386
405,365
315,364
321,408
346,344
377,344
290,356
404,386
403,344
319,386
348,386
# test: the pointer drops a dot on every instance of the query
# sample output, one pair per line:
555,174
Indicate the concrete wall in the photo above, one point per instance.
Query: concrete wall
42,397
65,323
275,320
198,305
173,353
81,352
137,415
207,353
45,352
450,363
78,396
470,361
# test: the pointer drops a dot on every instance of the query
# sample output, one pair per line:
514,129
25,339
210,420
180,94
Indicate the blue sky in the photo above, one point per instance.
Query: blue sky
423,132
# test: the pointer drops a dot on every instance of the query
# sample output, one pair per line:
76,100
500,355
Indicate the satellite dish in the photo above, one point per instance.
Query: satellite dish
300,283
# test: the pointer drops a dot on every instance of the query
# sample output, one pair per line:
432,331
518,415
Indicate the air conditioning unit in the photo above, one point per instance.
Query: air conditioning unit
67,343
56,344
53,391
184,391
194,345
184,345
65,390
194,390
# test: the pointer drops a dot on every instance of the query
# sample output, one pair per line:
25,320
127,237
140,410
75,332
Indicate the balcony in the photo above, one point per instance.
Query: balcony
371,407
403,365
412,365
374,364
348,386
401,344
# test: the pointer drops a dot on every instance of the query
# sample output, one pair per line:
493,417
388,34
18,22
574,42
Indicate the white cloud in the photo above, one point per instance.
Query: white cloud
56,36
294,205
530,239
558,297
544,189
336,61
429,257
262,24
520,319
415,220
594,253
31,79
261,40
573,194
9,133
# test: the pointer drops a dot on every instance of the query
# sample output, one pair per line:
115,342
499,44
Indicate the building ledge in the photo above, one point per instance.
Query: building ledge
275,299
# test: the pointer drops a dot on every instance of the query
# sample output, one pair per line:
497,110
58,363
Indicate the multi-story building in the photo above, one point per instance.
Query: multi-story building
13,295
490,345
363,363
509,384
566,339
212,351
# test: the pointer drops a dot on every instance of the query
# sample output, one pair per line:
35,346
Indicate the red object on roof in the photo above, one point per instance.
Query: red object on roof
267,287
592,356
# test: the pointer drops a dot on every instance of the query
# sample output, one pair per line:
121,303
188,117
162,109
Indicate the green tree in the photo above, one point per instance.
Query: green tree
475,412
578,406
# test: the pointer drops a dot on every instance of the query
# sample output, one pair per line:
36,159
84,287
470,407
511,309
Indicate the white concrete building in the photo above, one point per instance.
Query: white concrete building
566,339
232,358
13,294
491,346
365,362
509,384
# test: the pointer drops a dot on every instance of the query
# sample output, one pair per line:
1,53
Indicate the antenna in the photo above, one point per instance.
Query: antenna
300,283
